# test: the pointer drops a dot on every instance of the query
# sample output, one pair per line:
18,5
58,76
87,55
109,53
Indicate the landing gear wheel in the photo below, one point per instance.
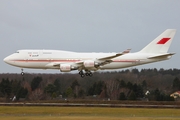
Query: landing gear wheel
22,73
89,73
82,75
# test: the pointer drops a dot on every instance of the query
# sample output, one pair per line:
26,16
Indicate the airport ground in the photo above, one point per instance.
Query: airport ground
86,113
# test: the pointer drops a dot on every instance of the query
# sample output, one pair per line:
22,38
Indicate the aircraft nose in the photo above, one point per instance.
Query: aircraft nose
6,59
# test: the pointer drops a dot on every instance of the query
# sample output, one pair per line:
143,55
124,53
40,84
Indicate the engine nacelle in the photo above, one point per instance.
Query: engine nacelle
65,67
90,64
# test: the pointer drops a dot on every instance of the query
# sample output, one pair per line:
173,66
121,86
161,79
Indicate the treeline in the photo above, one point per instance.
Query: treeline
146,84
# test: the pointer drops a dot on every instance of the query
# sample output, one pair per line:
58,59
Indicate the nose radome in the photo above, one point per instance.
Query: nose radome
5,59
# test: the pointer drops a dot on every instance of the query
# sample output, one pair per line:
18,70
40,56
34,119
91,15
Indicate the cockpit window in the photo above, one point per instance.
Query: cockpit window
17,51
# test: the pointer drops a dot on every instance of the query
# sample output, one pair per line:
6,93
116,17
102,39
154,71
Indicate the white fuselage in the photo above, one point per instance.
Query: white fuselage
46,59
66,61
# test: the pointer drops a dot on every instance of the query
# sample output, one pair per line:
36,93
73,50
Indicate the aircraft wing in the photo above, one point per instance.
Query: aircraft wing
98,61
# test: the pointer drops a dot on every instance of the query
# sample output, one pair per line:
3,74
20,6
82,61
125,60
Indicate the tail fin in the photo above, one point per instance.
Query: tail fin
161,44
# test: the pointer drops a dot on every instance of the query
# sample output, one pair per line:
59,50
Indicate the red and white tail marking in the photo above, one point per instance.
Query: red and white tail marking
163,40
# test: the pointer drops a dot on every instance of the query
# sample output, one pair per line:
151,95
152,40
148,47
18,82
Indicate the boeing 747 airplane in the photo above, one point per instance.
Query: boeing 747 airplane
66,61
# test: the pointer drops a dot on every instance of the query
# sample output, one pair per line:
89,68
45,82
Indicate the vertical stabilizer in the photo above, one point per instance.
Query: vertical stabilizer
160,44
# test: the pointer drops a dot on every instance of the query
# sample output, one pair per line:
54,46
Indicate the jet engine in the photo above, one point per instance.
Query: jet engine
90,64
67,67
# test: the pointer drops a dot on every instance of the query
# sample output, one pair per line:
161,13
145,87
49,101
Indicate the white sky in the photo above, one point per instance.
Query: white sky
86,26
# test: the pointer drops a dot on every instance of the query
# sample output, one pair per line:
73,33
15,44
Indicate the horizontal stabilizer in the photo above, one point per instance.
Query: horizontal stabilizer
161,56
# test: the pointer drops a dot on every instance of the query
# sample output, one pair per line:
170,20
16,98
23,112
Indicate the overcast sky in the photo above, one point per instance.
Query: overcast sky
86,26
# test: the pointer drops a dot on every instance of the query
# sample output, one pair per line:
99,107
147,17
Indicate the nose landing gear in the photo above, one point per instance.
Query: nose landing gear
22,73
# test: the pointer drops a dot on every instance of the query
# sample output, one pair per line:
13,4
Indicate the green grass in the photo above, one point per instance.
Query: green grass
86,113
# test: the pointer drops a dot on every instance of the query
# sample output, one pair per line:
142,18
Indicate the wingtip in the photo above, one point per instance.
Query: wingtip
126,51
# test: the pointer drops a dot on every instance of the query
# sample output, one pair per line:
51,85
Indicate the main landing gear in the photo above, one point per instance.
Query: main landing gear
88,73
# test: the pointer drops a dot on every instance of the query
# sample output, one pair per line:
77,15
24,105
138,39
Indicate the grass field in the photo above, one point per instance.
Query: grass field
86,113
